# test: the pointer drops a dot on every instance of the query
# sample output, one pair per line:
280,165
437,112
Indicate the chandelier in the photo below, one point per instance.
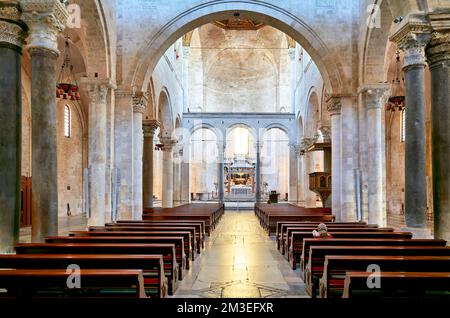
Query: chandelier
397,99
66,87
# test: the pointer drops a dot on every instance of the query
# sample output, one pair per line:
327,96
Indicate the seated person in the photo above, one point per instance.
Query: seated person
321,231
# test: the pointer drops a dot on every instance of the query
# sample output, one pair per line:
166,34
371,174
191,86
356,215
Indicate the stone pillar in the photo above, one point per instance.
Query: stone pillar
334,108
123,152
310,196
293,181
292,55
186,174
301,175
46,19
221,146
439,60
258,171
139,104
349,157
12,36
326,136
186,51
373,98
177,153
150,127
413,44
98,90
167,182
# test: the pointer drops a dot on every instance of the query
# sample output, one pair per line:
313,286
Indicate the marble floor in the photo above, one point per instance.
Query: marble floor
241,261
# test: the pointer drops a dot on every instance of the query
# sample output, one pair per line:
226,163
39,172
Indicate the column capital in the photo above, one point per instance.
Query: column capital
149,127
412,37
168,144
46,19
97,88
12,29
375,95
325,130
334,104
439,48
140,101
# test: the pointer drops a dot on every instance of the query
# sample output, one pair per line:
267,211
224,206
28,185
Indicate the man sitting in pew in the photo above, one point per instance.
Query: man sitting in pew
321,232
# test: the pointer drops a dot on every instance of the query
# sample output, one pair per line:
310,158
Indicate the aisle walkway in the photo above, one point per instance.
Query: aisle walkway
240,260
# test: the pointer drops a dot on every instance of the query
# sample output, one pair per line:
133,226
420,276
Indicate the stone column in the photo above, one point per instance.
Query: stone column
292,55
439,60
258,171
150,127
221,146
46,19
139,104
97,90
186,174
413,44
301,175
167,180
12,36
177,153
123,152
186,50
349,157
373,98
293,181
310,197
334,108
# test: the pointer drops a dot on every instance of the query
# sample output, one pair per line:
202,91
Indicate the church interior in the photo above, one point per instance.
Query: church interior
194,149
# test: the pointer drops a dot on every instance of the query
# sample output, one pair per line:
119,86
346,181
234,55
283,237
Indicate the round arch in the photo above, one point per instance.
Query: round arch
312,114
207,126
165,114
155,46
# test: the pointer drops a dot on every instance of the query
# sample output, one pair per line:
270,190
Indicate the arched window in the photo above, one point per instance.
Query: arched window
67,121
402,126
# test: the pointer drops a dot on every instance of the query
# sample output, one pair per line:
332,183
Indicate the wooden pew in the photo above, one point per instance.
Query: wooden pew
176,240
187,238
309,242
398,284
155,282
166,250
296,243
199,236
281,225
210,213
25,284
335,267
289,230
169,221
317,254
272,219
115,229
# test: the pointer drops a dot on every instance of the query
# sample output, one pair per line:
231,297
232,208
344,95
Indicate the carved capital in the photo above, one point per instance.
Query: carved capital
375,95
149,127
439,48
12,29
412,37
326,133
168,144
140,101
46,19
334,105
97,88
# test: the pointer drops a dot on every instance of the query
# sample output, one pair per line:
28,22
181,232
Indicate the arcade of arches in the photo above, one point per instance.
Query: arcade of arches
223,101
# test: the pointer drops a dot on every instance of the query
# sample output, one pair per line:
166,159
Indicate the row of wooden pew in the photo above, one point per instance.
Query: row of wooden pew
270,214
356,253
127,258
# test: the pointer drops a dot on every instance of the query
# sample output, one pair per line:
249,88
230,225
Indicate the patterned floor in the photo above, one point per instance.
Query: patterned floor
241,261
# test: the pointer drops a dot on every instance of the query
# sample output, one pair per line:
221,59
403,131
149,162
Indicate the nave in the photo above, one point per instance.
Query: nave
241,261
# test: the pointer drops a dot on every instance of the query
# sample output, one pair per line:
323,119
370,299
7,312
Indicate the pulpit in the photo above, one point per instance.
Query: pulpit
320,183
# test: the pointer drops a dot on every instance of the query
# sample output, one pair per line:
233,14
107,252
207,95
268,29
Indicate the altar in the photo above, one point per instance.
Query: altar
241,190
